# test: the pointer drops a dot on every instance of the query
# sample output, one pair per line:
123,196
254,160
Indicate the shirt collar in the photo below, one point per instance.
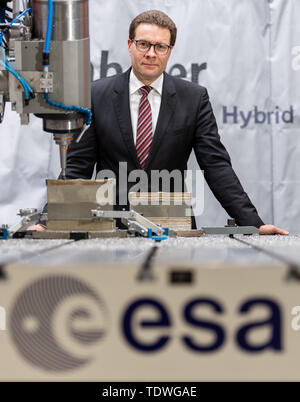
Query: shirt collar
135,84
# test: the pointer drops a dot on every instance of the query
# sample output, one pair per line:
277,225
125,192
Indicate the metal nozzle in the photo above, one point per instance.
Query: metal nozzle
63,140
63,161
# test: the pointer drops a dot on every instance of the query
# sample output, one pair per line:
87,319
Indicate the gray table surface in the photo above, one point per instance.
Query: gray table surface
206,249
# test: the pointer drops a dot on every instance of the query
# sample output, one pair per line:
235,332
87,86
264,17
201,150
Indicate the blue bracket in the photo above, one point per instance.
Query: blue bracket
158,238
4,235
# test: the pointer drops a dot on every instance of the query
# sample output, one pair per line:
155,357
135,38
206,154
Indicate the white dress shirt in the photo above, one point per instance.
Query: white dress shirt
154,98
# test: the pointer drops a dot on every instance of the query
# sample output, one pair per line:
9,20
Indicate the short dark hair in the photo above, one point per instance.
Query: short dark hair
155,17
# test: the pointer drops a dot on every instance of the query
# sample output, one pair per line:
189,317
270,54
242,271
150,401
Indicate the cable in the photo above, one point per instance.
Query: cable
49,27
46,52
79,109
27,89
19,16
7,66
22,82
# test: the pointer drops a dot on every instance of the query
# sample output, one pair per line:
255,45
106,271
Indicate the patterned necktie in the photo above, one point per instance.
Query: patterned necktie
144,127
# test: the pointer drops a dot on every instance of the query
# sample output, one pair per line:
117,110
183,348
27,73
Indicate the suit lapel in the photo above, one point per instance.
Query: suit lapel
120,100
167,108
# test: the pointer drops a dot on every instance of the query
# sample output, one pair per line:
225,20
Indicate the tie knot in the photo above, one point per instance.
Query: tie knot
145,90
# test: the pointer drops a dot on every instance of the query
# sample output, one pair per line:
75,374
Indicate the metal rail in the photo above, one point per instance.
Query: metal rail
294,266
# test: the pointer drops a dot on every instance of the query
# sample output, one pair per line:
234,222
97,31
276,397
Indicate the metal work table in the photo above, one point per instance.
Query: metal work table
206,249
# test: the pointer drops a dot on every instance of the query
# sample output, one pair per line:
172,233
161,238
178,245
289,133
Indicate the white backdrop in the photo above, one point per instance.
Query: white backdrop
247,54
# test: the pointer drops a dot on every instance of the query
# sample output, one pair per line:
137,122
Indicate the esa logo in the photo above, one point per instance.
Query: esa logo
57,323
135,330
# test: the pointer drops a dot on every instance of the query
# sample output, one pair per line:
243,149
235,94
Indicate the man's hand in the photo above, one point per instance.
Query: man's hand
38,227
271,230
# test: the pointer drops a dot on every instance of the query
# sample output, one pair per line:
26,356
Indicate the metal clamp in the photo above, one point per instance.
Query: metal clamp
135,222
231,229
46,82
29,215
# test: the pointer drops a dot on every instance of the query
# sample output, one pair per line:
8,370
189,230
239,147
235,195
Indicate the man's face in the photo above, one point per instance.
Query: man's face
149,66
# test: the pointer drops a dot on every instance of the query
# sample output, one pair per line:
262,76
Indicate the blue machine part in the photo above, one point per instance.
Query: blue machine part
158,238
4,235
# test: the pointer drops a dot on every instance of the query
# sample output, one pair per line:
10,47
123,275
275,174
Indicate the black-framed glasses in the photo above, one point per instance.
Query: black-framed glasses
144,46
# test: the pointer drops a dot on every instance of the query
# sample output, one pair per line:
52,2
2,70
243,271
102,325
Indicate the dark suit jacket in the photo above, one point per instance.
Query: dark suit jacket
185,122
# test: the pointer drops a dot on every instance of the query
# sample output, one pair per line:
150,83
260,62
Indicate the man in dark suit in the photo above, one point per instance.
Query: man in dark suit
152,121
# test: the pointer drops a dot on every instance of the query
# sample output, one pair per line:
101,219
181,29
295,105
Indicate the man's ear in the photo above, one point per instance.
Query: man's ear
129,45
